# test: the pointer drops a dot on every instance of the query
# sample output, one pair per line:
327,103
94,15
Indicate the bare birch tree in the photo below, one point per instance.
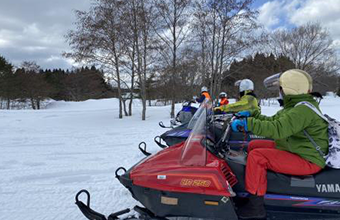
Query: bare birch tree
172,30
139,44
224,29
309,46
97,39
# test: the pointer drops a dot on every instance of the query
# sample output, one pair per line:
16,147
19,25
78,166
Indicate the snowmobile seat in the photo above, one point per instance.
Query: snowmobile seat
325,184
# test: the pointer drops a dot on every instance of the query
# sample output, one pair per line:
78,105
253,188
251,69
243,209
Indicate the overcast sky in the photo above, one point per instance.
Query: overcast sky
33,30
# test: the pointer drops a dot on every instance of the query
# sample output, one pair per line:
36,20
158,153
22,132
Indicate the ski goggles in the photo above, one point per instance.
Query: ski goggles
272,82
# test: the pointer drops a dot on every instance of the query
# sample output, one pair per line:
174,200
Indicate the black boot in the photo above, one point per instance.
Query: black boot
254,209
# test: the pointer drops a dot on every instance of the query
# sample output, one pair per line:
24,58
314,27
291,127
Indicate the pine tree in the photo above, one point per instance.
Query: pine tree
7,81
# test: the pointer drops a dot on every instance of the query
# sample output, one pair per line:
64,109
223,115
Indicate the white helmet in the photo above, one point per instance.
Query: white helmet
204,89
222,95
245,84
296,82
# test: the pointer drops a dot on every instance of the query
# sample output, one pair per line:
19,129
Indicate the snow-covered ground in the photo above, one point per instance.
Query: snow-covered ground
46,156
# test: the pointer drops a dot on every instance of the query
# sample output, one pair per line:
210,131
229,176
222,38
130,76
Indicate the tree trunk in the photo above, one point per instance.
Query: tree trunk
140,57
130,105
205,73
119,90
33,104
38,104
174,57
213,52
145,38
217,64
132,73
8,103
144,110
120,102
116,65
219,81
124,106
337,84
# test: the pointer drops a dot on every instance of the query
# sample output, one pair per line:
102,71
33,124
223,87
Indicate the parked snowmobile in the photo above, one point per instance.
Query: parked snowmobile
177,134
186,113
183,116
203,178
179,125
181,133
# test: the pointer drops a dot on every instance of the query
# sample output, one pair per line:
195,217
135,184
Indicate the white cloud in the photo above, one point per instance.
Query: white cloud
289,7
274,14
3,43
269,14
281,14
35,29
34,48
32,29
326,12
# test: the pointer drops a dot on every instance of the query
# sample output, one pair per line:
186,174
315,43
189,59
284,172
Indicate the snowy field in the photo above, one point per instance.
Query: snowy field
47,156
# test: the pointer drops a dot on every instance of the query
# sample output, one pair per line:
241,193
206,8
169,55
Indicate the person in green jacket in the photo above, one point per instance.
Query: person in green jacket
248,100
292,152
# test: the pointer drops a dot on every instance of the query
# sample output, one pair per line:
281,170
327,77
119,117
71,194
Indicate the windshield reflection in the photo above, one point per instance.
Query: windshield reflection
194,154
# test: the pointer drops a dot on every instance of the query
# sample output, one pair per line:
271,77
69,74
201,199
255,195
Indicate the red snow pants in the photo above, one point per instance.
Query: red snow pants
263,156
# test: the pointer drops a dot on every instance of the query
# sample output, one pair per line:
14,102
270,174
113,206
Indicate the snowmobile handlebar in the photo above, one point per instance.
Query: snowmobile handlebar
237,116
222,145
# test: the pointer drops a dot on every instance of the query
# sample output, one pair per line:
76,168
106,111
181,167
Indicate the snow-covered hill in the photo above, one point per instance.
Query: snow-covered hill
48,155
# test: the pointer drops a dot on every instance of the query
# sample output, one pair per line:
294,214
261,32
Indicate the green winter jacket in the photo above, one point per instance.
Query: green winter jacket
247,102
286,128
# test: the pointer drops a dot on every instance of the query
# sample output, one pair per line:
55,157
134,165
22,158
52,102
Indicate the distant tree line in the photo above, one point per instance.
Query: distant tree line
260,66
256,68
30,83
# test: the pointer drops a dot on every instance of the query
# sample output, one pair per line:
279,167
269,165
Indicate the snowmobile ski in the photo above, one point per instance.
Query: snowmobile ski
158,141
161,124
142,148
90,213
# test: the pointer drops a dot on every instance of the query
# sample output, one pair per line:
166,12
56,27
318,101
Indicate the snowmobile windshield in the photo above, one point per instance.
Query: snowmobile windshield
194,153
186,103
272,82
196,117
237,83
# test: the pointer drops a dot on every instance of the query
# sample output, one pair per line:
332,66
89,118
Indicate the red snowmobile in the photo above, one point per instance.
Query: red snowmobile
204,178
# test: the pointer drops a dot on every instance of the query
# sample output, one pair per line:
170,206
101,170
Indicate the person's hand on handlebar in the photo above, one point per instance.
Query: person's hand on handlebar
239,125
218,110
